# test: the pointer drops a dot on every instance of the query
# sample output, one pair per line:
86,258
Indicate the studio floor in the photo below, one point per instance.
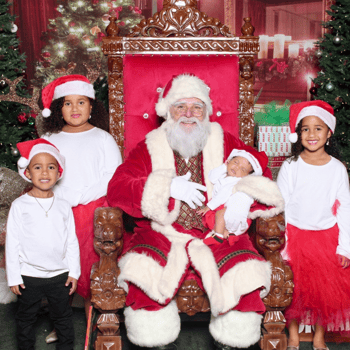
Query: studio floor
193,335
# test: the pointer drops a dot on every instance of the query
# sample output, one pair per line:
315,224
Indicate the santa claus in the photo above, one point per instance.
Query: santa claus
162,183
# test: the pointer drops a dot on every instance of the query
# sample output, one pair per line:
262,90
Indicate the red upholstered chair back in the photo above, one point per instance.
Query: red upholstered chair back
179,39
145,76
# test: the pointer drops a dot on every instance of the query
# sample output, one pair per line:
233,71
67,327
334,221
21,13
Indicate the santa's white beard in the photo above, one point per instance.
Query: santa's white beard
188,142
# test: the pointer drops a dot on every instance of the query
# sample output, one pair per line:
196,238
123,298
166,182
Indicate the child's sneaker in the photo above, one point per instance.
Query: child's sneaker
232,239
213,238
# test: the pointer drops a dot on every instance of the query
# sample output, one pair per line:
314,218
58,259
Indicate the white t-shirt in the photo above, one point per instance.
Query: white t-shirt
40,246
310,192
92,157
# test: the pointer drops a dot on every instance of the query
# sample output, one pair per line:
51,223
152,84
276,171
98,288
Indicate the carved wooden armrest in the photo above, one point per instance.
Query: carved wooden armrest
269,239
106,295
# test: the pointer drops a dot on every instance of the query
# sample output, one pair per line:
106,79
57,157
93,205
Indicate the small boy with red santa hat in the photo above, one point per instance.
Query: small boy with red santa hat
42,250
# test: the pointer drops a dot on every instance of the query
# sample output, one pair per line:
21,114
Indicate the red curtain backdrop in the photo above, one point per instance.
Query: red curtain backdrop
257,11
32,19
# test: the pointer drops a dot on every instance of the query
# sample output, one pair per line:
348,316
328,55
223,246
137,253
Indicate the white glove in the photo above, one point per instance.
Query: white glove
187,191
236,214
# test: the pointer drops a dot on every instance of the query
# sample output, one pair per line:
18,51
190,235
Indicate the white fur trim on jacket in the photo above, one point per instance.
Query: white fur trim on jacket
159,283
244,278
155,197
204,262
264,191
153,328
224,293
236,329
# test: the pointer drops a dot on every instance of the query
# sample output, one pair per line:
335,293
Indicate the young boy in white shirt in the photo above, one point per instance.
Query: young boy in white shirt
42,251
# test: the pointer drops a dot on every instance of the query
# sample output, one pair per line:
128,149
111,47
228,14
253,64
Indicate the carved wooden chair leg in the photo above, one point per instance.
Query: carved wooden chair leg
273,332
269,239
106,295
108,336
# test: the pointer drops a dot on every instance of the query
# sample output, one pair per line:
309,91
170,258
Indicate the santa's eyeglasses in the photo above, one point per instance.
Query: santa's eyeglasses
181,109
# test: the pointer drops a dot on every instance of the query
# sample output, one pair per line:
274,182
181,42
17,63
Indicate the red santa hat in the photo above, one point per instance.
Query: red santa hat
183,86
68,85
318,108
29,149
258,160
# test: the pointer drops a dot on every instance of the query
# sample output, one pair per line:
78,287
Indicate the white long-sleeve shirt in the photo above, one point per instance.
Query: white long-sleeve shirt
310,191
238,204
92,157
40,246
223,186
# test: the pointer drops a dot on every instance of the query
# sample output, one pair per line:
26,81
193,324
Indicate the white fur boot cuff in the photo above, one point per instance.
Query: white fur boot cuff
236,329
152,328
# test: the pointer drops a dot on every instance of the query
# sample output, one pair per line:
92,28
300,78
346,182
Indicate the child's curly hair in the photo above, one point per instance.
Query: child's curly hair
332,147
55,123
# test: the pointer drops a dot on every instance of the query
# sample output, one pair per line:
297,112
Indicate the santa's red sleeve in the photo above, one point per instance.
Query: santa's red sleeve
126,186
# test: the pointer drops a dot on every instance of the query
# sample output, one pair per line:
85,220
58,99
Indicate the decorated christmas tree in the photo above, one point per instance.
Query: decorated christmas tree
16,121
333,81
75,37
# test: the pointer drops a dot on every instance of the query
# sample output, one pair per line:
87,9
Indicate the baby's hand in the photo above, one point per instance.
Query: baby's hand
203,211
343,261
74,284
15,289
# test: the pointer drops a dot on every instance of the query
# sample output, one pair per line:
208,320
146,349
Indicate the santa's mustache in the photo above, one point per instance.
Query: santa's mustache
186,120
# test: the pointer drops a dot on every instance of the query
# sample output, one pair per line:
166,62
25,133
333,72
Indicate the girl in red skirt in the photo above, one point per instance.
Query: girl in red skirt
77,124
315,187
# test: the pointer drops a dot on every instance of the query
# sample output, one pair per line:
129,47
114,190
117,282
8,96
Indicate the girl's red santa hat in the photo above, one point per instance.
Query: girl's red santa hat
317,108
68,85
183,86
29,149
258,160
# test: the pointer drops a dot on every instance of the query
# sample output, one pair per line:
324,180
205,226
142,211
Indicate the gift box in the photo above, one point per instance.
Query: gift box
273,140
276,162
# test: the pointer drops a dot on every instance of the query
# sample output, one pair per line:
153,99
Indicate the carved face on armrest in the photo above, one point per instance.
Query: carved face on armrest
108,231
270,234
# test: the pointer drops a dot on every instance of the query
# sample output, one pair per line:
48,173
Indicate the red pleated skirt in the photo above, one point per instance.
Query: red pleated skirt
84,227
322,287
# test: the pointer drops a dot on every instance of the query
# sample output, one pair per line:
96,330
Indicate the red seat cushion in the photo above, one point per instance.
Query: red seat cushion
143,75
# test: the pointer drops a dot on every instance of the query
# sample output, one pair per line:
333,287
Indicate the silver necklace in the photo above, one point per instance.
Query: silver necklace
46,211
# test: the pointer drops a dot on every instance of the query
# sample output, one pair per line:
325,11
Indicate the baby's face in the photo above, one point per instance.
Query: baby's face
239,167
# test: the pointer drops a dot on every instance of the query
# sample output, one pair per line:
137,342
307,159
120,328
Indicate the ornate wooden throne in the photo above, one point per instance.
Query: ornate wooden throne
180,39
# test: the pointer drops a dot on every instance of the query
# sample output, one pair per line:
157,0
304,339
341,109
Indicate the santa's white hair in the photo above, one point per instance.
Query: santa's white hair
187,142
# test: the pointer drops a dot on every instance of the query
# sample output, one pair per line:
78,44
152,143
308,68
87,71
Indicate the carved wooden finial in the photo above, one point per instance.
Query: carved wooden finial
247,29
112,28
180,18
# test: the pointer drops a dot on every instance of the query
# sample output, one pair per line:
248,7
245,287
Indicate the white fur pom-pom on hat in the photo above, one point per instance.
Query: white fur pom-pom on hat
74,84
28,149
317,108
183,86
293,137
46,112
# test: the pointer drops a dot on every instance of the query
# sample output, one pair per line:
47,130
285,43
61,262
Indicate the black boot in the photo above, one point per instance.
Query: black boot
220,346
171,346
